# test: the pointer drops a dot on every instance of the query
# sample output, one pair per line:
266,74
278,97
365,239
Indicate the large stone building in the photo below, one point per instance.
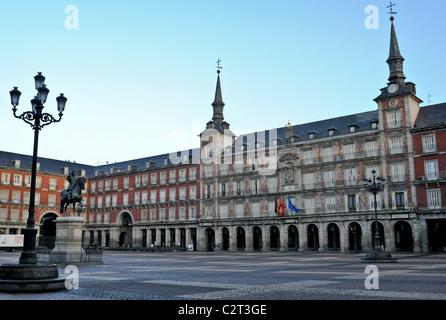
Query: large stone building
299,187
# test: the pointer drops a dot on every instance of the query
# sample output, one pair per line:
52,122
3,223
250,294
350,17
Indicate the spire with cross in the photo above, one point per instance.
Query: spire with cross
391,12
218,65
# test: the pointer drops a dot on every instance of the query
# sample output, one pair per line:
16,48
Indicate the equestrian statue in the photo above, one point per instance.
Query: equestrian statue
73,194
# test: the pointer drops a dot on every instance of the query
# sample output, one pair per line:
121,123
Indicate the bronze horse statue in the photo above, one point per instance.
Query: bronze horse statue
76,197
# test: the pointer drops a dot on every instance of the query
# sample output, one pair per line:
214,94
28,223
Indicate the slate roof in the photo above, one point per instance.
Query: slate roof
430,116
46,164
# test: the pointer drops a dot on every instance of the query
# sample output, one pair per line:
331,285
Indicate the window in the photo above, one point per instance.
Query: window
182,193
145,180
153,179
6,178
396,145
223,189
208,191
152,214
399,200
351,203
52,200
163,195
17,180
327,154
433,199
107,185
92,202
162,214
350,177
114,200
144,215
172,215
100,185
308,157
192,192
374,125
309,180
372,202
330,204
329,179
192,213
182,175
192,174
371,148
172,176
93,187
348,150
137,181
137,197
115,184
182,213
429,143
125,199
431,169
99,202
172,194
393,119
162,177
152,196
352,129
330,132
310,205
108,201
126,183
53,184
397,172
239,188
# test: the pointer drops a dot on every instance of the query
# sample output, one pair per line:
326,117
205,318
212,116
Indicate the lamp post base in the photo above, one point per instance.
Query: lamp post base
30,278
379,257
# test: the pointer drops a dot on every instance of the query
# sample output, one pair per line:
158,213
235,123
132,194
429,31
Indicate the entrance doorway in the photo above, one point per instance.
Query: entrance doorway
403,237
241,244
225,235
313,237
436,230
210,239
257,238
125,235
354,237
333,237
293,238
274,238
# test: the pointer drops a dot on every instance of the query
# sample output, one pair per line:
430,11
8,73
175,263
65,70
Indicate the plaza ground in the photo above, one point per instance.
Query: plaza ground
250,276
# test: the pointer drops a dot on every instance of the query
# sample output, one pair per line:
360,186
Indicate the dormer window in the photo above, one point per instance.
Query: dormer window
353,128
312,135
374,125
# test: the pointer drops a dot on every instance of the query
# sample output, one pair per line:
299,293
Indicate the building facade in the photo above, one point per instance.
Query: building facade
298,187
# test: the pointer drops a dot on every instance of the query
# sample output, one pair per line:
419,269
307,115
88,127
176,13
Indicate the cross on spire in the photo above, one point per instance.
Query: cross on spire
218,65
391,12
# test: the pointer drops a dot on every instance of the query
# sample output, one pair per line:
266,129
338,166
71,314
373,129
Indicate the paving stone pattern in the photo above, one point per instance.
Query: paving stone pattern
249,276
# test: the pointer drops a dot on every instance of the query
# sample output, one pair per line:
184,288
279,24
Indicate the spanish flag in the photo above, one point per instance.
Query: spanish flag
280,212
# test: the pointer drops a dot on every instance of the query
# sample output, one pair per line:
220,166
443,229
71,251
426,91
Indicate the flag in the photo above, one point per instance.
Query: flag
280,207
283,206
291,206
275,206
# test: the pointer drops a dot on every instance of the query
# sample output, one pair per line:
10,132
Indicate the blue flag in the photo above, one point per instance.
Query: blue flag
291,206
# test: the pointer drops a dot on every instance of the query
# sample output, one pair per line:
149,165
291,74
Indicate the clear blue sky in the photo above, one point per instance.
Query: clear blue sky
140,75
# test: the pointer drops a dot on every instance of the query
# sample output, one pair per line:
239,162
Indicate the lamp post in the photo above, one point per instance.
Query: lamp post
374,186
37,120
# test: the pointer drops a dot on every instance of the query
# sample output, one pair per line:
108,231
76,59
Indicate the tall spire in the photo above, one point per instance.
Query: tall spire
218,103
395,60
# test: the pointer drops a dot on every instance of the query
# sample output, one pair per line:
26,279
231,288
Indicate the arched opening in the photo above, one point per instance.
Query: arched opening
293,238
225,235
210,239
354,237
274,242
403,236
380,232
436,229
47,237
257,238
333,237
241,243
125,230
313,237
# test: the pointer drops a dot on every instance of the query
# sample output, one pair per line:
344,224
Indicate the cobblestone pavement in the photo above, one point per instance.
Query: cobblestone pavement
250,276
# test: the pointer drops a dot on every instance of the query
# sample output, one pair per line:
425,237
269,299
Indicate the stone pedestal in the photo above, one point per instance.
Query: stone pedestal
68,247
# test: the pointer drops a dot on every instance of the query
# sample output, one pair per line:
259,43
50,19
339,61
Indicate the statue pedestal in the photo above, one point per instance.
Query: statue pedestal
68,247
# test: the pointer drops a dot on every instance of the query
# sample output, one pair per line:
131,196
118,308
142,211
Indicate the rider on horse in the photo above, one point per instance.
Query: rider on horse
71,179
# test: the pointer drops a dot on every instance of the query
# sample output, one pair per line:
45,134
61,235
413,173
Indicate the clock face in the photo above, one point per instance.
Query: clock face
392,88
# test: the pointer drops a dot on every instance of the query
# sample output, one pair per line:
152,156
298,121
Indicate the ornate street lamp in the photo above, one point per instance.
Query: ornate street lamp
374,186
37,120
